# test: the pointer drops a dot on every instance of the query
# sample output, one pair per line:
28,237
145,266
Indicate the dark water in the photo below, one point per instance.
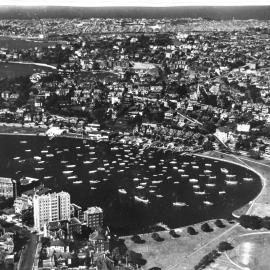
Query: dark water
22,44
122,212
13,70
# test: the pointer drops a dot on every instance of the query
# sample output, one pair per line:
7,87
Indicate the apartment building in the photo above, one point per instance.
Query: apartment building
51,207
7,187
93,217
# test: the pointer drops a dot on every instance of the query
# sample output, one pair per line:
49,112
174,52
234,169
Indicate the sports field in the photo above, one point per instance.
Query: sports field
251,251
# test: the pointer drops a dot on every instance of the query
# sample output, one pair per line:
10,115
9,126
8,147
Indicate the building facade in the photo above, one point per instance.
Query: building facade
51,207
22,203
93,217
7,187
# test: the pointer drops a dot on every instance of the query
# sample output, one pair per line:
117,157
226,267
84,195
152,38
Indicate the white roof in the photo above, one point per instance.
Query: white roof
94,210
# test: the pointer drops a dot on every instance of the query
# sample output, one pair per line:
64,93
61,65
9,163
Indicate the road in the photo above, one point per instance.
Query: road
28,254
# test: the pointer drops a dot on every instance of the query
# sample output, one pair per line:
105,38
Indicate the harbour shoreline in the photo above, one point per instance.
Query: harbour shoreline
259,174
147,146
29,63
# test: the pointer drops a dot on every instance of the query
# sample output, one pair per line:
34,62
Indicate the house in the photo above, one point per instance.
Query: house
169,115
92,127
99,240
5,95
57,245
6,243
22,203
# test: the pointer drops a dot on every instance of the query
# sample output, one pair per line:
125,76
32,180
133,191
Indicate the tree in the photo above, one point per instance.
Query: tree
220,224
266,223
174,234
96,66
45,242
135,258
207,259
28,217
255,154
224,246
191,231
116,255
206,228
157,237
137,239
252,222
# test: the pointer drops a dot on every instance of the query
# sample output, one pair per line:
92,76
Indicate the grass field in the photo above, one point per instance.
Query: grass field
183,252
251,250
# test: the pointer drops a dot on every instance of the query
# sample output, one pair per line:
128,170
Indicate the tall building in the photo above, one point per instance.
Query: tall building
51,207
93,217
7,187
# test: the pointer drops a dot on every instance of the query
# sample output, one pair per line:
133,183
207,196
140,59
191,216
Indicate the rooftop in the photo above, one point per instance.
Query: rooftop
93,210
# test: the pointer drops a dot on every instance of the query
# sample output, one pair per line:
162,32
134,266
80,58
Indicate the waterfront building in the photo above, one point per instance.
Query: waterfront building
93,217
51,207
7,187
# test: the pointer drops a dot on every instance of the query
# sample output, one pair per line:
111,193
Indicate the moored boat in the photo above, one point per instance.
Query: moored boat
231,182
248,179
77,182
179,204
193,180
224,170
141,199
122,191
208,203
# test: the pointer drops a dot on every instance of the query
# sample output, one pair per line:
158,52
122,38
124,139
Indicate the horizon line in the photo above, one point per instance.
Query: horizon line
141,4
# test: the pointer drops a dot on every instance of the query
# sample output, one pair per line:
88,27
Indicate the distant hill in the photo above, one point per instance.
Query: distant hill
215,13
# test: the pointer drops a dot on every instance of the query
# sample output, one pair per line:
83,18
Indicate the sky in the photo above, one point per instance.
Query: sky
141,3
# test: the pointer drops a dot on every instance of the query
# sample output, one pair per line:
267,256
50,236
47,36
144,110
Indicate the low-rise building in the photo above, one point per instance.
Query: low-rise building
7,187
99,240
22,203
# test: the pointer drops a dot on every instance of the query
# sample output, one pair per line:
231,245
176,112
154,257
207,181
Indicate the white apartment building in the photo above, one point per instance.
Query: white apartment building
51,207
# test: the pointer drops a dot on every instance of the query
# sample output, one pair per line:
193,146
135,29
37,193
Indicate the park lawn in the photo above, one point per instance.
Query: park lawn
180,253
251,250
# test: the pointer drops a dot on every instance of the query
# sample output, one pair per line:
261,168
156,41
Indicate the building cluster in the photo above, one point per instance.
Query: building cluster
187,82
6,248
192,85
70,238
74,238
